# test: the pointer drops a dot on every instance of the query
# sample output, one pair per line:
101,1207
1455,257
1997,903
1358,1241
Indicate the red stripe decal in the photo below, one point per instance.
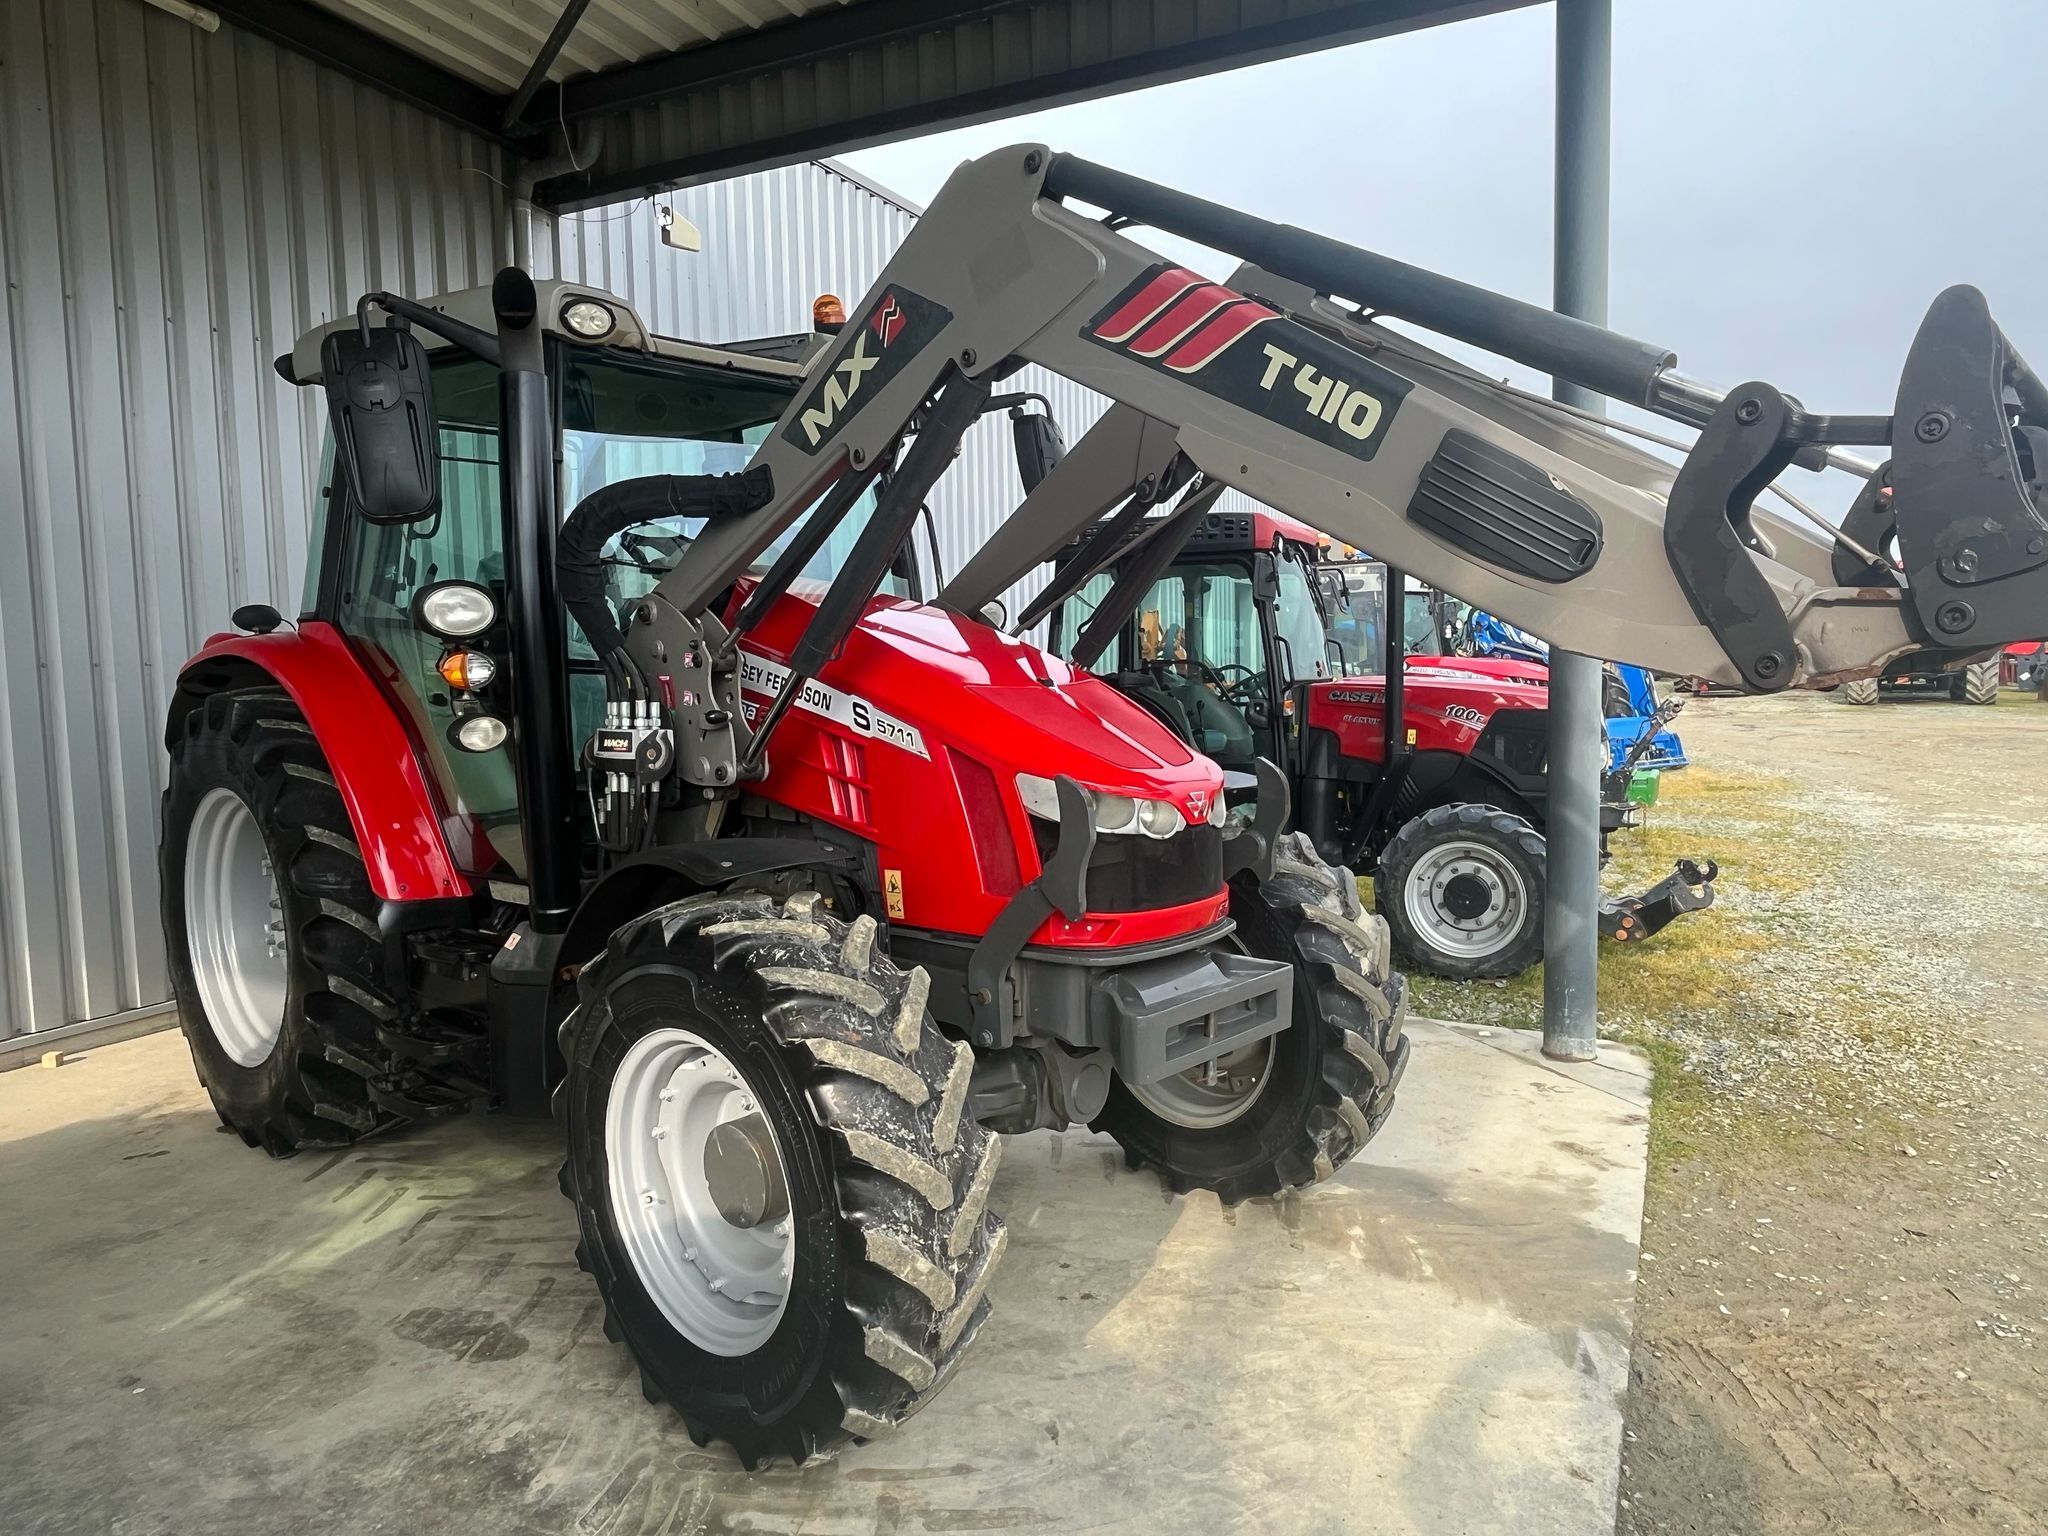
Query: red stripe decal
1206,344
1146,303
1188,311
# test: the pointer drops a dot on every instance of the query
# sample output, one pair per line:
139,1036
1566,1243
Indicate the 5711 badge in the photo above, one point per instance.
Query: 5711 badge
1235,348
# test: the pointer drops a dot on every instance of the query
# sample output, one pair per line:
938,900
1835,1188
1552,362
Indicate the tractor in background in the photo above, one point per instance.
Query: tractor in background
1247,648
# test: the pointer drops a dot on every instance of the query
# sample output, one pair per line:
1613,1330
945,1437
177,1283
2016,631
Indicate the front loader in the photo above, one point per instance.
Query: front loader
616,765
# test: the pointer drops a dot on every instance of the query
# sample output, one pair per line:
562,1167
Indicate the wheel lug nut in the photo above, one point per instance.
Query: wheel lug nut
717,1283
660,1132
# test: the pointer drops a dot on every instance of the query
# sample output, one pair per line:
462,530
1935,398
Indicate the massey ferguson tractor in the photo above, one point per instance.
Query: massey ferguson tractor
615,764
1435,786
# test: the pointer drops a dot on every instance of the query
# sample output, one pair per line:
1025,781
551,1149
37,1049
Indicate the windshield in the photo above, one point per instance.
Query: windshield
1299,622
623,418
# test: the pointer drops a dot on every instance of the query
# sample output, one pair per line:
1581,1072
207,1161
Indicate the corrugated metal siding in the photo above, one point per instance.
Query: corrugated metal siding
772,243
174,207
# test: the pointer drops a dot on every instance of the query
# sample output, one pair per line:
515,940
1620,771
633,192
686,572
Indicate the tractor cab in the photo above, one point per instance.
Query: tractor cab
627,404
1221,645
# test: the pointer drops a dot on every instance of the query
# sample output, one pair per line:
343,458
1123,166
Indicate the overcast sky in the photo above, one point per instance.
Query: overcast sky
1794,180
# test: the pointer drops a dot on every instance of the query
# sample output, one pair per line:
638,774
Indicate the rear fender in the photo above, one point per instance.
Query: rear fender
391,803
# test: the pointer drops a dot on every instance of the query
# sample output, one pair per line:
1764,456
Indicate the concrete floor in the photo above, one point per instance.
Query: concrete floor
395,1338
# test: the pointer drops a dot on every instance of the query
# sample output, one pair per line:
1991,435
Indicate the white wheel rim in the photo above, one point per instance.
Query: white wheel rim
1214,1093
1466,899
723,1286
234,928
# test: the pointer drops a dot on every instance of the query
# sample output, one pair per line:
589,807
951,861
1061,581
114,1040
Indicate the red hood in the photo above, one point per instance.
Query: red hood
1013,705
1498,668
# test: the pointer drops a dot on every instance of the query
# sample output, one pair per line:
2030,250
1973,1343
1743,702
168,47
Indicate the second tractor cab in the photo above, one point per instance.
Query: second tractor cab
1239,641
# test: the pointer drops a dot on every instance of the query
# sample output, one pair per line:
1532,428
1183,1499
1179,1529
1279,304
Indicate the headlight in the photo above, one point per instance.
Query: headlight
588,318
1158,819
455,610
1114,814
478,733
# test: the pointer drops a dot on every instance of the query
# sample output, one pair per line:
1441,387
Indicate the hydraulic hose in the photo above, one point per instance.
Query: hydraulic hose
610,510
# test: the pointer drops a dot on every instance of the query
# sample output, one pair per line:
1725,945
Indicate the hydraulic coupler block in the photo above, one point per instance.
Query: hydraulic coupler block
628,758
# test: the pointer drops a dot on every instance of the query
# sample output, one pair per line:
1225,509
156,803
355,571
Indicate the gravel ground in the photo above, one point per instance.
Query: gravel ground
1844,1290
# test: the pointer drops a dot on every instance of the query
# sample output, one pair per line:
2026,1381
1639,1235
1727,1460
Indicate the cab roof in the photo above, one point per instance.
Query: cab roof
780,356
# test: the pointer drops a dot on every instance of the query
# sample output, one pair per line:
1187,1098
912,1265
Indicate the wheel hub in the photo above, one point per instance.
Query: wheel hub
744,1173
234,928
699,1191
1466,899
1467,896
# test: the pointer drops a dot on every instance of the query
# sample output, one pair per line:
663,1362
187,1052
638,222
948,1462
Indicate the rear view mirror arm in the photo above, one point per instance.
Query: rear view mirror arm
472,339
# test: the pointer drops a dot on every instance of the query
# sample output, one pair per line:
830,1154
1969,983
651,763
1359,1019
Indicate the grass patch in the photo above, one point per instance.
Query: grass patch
1722,1001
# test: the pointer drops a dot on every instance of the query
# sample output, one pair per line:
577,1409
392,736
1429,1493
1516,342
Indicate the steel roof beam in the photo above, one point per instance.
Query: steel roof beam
543,61
362,55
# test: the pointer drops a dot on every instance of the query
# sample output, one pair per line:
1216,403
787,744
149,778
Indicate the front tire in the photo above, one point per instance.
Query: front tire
1320,1091
1863,691
1461,886
842,1085
1979,682
271,929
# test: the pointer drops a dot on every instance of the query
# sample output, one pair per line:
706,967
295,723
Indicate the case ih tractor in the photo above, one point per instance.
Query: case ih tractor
1222,629
615,765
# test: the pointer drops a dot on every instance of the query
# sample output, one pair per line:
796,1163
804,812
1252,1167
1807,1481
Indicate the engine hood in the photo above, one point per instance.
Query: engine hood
960,682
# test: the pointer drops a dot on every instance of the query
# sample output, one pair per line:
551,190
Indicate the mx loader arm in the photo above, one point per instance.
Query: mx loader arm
1286,384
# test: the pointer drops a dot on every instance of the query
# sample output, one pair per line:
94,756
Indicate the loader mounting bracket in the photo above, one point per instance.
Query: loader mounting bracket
1688,888
1709,535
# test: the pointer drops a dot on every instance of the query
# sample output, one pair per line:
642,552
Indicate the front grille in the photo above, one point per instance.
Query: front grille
1141,874
1519,738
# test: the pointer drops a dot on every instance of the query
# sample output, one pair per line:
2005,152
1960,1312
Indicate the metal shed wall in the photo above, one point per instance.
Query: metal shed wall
174,207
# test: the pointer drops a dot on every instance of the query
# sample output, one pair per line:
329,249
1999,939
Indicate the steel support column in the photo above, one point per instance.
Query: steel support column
1571,930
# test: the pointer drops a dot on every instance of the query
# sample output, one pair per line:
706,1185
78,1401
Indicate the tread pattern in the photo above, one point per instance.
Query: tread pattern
1312,916
912,1173
333,1077
1862,691
1473,821
1981,681
1344,954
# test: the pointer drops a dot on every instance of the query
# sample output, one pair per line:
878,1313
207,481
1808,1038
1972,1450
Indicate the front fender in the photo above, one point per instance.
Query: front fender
391,803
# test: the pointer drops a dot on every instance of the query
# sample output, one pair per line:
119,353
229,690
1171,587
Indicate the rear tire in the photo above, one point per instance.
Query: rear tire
288,1057
1861,691
885,1179
1461,886
1980,682
1329,1079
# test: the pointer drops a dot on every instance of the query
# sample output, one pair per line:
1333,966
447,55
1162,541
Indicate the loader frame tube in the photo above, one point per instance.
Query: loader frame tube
1591,355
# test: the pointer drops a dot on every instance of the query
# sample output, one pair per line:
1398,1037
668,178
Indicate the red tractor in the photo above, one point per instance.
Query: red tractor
446,842
1225,634
616,764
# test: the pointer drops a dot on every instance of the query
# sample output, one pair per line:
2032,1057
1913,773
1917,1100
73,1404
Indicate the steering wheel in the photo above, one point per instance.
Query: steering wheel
1235,690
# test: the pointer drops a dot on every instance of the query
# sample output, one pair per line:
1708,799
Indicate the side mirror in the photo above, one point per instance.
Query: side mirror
1039,446
381,399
